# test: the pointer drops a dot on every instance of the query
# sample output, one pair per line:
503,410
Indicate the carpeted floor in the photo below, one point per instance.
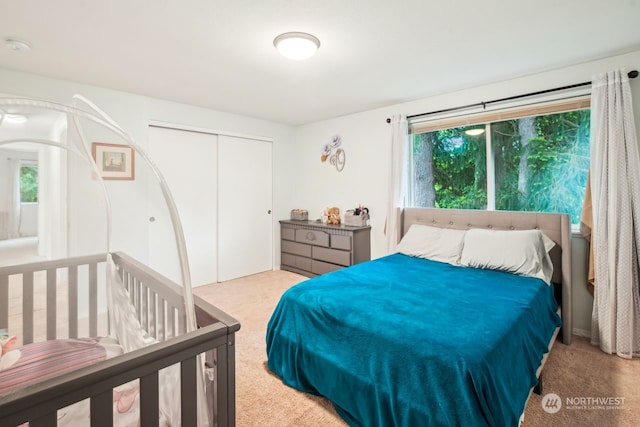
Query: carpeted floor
19,251
577,373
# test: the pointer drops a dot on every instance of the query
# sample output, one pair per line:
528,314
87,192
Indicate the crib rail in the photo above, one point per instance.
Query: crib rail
38,403
149,301
159,306
164,292
75,270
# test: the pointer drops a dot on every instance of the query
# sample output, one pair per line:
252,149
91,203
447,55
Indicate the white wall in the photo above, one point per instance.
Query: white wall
133,113
52,237
5,177
366,139
300,179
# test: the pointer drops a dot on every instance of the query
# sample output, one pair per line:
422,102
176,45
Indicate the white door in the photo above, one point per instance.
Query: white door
188,162
245,222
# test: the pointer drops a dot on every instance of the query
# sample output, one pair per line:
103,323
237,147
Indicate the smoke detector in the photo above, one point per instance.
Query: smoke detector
17,45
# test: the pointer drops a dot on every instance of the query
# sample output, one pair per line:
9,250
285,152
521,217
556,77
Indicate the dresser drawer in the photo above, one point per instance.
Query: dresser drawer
319,267
295,248
288,233
341,242
296,261
332,255
313,237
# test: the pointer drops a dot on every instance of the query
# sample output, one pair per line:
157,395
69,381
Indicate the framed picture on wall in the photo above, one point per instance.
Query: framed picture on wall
114,161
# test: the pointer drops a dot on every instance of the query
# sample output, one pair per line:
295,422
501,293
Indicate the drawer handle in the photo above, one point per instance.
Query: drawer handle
311,236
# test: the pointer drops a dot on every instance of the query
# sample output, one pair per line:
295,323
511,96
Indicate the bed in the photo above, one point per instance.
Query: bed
158,305
403,340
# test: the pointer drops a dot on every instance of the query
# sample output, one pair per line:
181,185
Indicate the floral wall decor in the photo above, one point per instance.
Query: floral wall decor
334,153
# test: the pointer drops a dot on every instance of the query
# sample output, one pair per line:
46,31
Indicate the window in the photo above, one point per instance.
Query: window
28,184
535,162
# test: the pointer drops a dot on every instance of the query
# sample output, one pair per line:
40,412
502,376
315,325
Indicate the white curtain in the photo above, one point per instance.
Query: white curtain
615,189
13,219
397,179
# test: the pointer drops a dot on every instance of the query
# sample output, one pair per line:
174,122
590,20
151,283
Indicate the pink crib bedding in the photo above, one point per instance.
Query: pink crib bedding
43,360
36,362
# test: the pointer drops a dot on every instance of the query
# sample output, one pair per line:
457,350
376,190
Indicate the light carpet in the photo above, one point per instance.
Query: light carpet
576,373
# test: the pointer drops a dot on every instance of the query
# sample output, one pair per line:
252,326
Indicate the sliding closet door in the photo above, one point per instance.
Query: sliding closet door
245,222
188,162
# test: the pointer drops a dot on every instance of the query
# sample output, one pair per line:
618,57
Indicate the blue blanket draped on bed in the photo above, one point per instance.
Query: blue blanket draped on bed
403,341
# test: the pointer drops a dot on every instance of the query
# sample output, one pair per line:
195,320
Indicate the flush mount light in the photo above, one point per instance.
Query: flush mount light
474,131
14,118
296,46
18,45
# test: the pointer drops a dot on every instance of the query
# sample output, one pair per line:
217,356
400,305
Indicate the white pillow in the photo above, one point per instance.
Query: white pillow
438,244
524,252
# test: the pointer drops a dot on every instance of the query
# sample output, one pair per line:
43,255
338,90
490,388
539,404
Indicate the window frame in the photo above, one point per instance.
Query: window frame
555,103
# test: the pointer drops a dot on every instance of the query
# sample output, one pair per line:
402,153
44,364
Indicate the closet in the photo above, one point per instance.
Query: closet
222,187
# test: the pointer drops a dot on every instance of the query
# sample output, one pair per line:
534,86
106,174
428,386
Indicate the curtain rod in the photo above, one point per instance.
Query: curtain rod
631,74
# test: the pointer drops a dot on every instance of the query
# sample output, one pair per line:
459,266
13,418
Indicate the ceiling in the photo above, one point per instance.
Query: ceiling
220,54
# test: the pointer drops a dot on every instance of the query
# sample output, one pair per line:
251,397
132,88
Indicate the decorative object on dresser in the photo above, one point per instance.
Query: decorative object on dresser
299,214
312,248
358,216
333,216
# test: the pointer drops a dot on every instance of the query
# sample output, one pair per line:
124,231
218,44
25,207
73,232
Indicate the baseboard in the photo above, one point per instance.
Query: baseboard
581,332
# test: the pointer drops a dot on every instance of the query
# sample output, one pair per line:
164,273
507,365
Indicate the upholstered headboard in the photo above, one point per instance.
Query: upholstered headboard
555,226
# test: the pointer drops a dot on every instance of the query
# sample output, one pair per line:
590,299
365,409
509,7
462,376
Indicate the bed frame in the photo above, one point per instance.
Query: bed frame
152,295
555,226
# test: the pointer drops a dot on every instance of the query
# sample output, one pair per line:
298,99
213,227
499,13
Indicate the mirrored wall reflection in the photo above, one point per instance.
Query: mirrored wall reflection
18,193
22,174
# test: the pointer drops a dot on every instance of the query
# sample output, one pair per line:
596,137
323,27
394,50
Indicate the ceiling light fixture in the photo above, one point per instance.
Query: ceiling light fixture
18,45
474,131
296,46
14,118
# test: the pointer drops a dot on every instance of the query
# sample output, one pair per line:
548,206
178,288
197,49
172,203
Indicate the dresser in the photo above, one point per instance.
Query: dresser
311,248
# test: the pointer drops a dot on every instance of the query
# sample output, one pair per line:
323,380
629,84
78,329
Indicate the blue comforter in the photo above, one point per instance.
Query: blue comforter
403,341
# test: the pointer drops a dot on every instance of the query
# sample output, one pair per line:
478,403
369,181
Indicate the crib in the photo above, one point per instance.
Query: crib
157,301
99,332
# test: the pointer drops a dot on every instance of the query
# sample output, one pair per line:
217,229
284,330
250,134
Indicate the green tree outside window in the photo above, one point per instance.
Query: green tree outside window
537,164
29,184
